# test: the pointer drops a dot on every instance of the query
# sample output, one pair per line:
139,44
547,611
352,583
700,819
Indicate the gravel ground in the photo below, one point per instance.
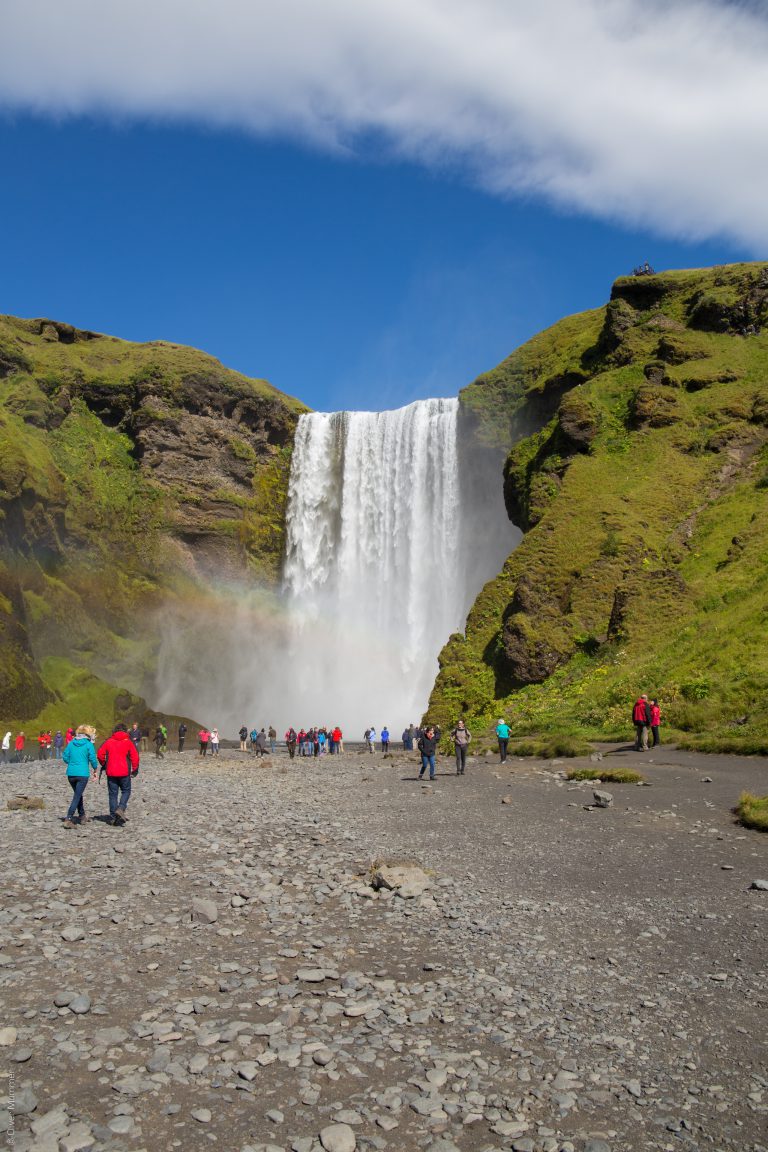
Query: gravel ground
221,972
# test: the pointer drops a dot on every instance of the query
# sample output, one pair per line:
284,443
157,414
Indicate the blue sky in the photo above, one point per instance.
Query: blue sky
356,248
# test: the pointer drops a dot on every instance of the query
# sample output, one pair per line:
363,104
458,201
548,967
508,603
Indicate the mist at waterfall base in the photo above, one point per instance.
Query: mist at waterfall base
395,520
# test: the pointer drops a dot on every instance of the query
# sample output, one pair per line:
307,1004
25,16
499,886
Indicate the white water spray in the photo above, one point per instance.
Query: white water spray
375,570
395,520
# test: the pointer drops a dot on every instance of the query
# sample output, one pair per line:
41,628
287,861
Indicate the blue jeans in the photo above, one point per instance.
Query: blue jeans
118,785
79,785
427,761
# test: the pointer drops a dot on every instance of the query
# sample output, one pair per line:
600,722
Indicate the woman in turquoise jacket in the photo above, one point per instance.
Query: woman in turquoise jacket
80,759
502,735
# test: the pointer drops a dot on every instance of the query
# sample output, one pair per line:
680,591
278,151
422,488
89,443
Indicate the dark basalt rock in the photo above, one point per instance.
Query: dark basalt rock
653,406
578,421
536,638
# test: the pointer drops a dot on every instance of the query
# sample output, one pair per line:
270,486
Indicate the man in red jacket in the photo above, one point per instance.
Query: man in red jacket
641,718
119,757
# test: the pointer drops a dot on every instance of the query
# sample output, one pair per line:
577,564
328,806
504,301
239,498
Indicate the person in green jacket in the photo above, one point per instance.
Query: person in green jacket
80,759
502,734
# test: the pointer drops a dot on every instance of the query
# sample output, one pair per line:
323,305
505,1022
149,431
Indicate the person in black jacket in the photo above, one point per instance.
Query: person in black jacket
182,735
428,748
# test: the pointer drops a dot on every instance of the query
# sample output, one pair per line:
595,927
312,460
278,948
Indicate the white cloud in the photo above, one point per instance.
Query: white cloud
645,111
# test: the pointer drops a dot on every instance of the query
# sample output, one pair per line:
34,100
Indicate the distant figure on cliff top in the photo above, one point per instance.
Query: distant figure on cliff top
643,270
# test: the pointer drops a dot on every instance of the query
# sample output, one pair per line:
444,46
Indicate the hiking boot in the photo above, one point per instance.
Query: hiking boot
120,813
119,818
67,823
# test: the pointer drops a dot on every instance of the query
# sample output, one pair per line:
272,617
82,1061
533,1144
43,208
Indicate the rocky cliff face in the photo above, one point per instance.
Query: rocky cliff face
638,471
130,475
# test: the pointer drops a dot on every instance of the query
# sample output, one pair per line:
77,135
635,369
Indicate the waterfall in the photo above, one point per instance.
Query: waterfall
376,572
395,521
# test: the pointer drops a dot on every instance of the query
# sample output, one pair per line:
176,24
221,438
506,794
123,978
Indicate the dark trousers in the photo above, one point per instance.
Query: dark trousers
461,758
119,788
291,749
79,785
181,743
503,741
655,731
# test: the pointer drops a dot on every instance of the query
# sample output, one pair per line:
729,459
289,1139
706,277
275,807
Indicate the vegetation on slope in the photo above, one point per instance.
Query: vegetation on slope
130,475
640,480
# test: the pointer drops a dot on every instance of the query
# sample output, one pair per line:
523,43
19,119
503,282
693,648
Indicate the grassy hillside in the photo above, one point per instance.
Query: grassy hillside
130,475
640,477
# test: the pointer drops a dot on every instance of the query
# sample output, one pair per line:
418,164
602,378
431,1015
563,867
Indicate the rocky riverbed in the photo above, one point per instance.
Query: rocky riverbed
227,971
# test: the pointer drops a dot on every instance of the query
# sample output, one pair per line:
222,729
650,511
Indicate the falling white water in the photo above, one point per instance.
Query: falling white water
395,521
374,573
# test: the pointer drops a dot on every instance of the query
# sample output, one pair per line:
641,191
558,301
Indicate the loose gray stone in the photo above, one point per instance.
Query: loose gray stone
24,1102
338,1138
72,933
205,911
759,885
81,1004
602,799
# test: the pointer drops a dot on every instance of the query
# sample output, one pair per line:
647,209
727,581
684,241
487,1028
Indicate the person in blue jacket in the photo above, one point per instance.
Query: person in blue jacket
80,759
385,739
502,734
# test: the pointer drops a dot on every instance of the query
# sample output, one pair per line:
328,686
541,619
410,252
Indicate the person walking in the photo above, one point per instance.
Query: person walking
655,722
502,735
159,743
371,738
215,741
80,759
461,738
290,742
18,748
641,718
260,743
119,758
385,739
428,748
182,735
243,734
135,735
272,734
203,738
5,749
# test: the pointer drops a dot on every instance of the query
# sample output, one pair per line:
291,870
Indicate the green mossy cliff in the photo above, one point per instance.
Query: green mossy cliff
131,475
639,474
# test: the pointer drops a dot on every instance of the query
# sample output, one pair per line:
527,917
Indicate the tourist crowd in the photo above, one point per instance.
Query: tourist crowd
119,756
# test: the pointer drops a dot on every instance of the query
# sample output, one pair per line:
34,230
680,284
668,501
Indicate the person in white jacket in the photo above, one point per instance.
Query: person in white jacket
4,750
